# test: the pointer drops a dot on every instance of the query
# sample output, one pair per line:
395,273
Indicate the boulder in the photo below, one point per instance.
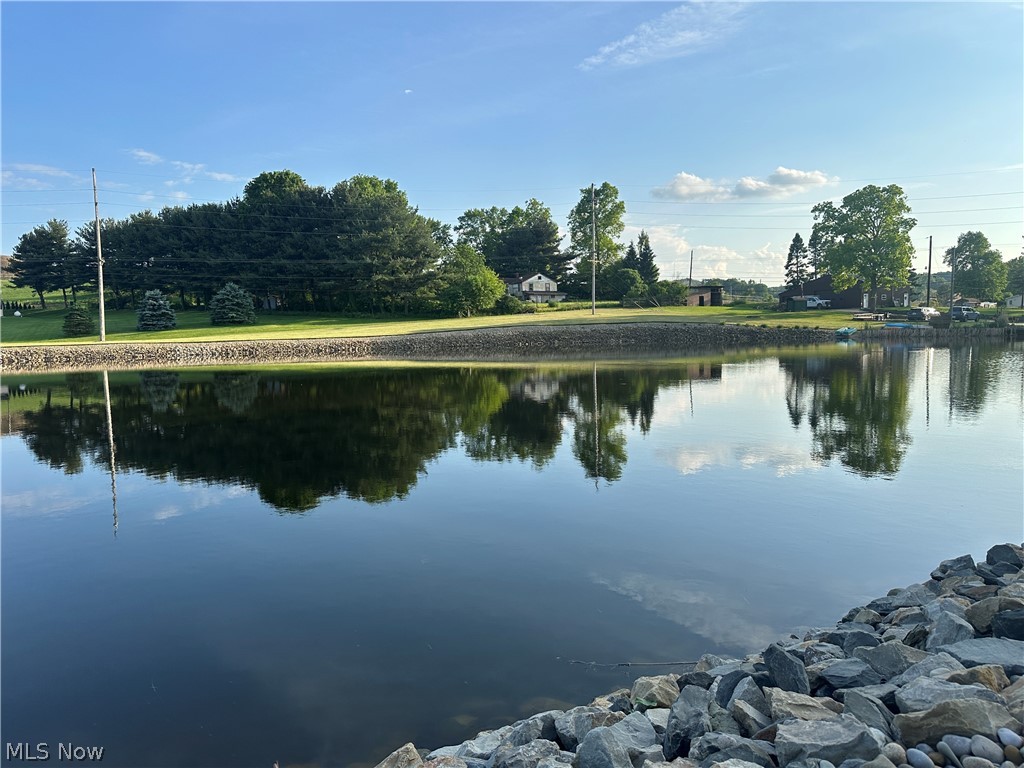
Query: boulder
722,720
688,719
850,673
659,719
527,755
1009,654
540,726
405,756
818,652
786,670
963,717
601,749
991,676
890,659
727,684
700,679
711,748
980,614
750,719
482,746
1006,553
1009,624
657,691
836,740
957,566
574,725
869,710
925,692
926,666
748,692
616,701
902,617
948,629
783,704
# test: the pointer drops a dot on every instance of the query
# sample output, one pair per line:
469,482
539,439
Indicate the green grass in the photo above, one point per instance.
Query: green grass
45,327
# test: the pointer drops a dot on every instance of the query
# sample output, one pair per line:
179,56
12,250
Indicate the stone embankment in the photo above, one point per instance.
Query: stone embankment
926,676
510,343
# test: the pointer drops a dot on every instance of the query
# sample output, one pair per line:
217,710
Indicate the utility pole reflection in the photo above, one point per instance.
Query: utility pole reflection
110,445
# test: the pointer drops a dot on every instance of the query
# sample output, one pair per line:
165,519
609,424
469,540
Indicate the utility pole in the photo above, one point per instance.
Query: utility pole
593,253
689,280
952,286
99,259
928,294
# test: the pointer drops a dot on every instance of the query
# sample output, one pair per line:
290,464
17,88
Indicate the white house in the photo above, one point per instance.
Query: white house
1015,301
538,288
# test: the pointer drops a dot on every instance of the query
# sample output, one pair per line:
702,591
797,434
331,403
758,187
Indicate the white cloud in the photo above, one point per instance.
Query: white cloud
167,512
178,194
782,182
41,170
145,157
680,32
407,91
218,176
12,182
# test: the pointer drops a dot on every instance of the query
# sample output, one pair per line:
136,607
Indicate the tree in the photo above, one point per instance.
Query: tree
520,241
77,322
1015,276
606,213
980,271
232,305
155,314
645,257
797,263
468,285
38,260
866,239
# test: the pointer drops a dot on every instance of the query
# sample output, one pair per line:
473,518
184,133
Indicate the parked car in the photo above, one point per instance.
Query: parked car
965,313
816,302
922,313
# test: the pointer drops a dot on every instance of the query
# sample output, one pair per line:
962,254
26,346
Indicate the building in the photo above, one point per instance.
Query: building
856,297
705,296
538,288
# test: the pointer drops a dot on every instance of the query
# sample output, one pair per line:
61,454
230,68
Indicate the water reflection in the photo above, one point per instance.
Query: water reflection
299,436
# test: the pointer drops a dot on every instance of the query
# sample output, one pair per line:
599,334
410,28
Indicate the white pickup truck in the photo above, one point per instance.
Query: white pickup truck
816,302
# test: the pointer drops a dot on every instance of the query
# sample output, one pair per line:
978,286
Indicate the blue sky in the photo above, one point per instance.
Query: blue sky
720,123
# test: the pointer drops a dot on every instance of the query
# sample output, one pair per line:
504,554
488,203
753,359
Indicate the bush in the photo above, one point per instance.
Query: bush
232,305
78,322
156,314
510,305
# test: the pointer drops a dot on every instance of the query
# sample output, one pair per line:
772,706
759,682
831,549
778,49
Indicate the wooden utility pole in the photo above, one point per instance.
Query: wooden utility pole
928,294
689,280
593,253
99,259
952,284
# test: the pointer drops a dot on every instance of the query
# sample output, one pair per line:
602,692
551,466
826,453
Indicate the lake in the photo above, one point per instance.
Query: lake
316,564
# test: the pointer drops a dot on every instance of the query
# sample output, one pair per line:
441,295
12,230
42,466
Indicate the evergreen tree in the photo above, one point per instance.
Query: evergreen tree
797,263
155,314
645,258
232,305
77,322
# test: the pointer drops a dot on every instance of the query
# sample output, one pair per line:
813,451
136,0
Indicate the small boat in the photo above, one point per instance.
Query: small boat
845,333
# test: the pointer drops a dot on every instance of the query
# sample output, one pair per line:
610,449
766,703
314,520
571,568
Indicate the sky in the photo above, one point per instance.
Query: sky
721,124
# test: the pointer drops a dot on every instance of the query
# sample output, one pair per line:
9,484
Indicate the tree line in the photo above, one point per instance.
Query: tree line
866,239
358,247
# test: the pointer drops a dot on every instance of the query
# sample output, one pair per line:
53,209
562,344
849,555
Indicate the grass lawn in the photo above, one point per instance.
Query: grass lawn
45,327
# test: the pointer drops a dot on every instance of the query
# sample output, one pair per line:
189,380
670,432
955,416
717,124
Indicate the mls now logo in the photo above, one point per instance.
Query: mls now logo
68,752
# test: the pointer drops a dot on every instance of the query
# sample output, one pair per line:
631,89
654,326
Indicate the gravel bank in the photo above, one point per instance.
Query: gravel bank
512,343
926,676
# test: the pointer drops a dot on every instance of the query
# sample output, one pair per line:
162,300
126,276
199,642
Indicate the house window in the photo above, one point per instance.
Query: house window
547,286
884,296
529,287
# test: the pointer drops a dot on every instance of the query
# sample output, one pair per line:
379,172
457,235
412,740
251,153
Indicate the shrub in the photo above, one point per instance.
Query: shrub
156,314
78,322
510,305
232,305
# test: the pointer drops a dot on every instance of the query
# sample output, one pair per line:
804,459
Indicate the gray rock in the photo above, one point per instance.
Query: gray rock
601,749
1009,738
452,762
925,692
786,670
1009,624
879,762
869,710
722,720
982,746
713,747
483,744
951,757
540,726
707,662
867,616
647,755
963,717
884,692
1009,654
524,755
946,630
972,761
895,633
957,566
656,691
925,667
635,731
747,691
658,718
960,745
784,704
616,701
574,725
1006,553
688,719
859,639
747,755
405,756
890,659
700,679
817,652
727,684
837,739
750,718
918,759
956,605
850,673
902,617
895,752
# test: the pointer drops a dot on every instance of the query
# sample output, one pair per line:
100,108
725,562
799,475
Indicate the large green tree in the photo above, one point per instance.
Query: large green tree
521,241
797,263
980,271
1015,276
39,259
866,238
468,285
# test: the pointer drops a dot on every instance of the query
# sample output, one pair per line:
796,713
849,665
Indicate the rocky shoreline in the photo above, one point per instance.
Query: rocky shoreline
505,343
931,675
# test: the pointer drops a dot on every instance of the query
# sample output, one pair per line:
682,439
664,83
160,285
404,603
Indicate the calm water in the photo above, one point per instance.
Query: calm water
314,565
